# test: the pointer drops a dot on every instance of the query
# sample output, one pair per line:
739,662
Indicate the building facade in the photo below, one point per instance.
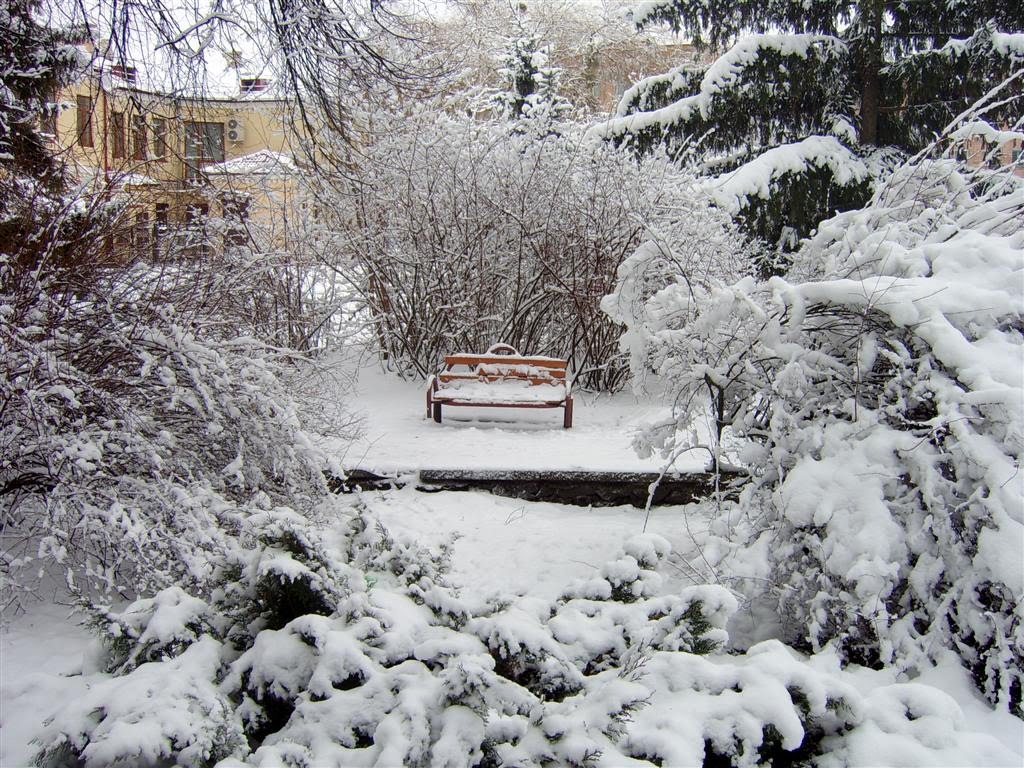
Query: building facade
154,152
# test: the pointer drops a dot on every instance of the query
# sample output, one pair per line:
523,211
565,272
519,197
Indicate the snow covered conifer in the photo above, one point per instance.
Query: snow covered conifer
532,84
34,62
805,92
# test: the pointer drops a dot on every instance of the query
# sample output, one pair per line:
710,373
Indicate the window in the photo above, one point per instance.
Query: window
84,120
117,134
196,213
204,144
252,84
159,138
124,72
139,137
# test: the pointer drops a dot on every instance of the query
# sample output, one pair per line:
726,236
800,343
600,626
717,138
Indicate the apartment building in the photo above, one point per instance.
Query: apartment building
610,71
177,161
995,150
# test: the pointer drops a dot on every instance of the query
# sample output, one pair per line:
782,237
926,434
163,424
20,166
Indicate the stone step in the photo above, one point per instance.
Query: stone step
579,487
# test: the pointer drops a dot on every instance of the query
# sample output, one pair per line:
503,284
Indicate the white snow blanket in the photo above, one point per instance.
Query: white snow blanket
513,392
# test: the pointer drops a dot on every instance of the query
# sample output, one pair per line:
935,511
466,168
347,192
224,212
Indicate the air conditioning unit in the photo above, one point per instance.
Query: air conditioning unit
236,130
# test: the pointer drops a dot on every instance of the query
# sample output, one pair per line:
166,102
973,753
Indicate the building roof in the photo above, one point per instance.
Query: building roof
265,162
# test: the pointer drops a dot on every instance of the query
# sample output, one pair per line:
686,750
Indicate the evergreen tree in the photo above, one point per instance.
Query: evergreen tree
35,61
531,84
39,225
809,89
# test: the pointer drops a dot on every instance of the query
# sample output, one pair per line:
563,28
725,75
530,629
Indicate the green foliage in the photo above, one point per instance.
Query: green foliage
772,95
35,61
935,58
812,196
927,87
870,73
531,86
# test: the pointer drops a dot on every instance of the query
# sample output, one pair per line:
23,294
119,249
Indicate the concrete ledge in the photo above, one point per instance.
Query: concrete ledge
586,488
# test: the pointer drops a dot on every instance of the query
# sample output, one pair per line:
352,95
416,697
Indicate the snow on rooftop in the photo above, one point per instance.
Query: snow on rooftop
262,163
135,180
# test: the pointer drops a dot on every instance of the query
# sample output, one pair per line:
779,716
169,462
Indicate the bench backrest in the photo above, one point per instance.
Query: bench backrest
535,370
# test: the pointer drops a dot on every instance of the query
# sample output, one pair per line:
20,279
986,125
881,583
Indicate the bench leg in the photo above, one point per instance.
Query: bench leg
567,422
430,404
437,412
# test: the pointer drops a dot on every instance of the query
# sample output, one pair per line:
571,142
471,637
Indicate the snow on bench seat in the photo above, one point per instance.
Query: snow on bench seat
510,392
500,378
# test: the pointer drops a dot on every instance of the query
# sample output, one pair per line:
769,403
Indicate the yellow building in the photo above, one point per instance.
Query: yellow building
996,150
156,152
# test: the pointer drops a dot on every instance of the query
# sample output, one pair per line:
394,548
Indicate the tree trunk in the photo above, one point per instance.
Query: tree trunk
871,87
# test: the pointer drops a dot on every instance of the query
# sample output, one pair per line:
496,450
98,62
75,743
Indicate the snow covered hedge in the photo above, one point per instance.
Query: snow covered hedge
879,388
359,653
353,650
133,438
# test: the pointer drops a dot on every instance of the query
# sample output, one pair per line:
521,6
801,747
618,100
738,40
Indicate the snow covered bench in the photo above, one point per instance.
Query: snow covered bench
500,378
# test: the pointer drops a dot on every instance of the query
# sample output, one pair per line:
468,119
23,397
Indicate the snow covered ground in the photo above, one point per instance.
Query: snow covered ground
507,546
399,437
41,658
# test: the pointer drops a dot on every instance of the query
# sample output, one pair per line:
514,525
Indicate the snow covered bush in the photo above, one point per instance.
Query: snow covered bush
381,662
468,233
392,666
878,390
167,712
133,439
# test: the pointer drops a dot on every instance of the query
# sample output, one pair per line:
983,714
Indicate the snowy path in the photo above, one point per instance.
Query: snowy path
504,545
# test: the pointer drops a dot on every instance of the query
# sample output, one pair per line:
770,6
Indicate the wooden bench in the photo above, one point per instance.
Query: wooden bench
500,378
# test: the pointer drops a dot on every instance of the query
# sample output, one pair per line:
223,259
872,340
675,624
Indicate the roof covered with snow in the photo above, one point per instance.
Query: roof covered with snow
262,163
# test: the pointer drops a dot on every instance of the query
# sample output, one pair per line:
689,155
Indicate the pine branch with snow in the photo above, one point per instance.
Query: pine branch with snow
531,98
862,76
